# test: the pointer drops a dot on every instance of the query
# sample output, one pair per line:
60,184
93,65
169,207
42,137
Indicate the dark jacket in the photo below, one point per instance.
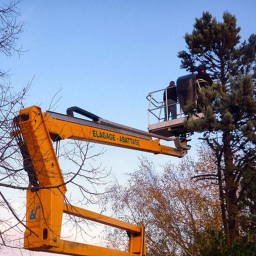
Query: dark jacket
171,93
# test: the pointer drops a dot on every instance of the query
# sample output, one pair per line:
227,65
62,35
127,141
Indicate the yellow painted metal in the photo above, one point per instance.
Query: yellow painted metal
45,206
68,130
43,218
100,218
73,248
137,243
38,141
45,203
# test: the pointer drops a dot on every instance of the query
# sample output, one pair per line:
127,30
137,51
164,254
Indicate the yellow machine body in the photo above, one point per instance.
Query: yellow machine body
46,200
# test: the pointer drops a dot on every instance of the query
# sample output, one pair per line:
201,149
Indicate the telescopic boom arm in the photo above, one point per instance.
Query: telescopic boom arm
45,197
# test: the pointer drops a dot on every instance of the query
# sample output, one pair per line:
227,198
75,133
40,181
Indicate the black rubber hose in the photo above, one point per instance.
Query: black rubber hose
71,110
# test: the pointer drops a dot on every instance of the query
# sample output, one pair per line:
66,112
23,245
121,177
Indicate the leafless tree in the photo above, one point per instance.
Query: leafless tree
171,206
81,168
10,29
10,168
79,161
10,162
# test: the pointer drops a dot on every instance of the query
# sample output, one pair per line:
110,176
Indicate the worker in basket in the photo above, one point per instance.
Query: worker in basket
170,101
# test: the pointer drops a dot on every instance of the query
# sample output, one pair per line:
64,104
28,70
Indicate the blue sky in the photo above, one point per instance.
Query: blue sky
106,55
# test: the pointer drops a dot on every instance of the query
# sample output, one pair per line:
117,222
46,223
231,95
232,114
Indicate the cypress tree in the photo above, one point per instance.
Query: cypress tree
229,108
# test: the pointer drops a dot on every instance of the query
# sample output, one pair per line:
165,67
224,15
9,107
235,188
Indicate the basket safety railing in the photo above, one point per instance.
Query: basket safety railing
158,107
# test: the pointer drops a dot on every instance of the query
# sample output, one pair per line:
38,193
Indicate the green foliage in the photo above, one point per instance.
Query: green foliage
216,45
229,109
214,243
232,110
211,243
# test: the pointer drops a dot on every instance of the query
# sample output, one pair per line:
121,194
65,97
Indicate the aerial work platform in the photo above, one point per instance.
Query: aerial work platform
159,108
158,123
168,128
173,127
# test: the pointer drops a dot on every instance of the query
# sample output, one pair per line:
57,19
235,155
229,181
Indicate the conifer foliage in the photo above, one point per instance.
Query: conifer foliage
229,108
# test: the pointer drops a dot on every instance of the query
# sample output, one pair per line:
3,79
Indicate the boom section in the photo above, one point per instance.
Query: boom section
66,127
46,192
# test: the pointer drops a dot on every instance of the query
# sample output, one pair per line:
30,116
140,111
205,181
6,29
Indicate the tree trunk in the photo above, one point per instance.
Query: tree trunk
222,200
230,188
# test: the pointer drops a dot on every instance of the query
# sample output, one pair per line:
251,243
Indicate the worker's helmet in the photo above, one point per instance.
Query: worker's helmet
172,84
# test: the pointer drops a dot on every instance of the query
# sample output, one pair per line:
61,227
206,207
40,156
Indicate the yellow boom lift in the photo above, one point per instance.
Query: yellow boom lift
36,131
